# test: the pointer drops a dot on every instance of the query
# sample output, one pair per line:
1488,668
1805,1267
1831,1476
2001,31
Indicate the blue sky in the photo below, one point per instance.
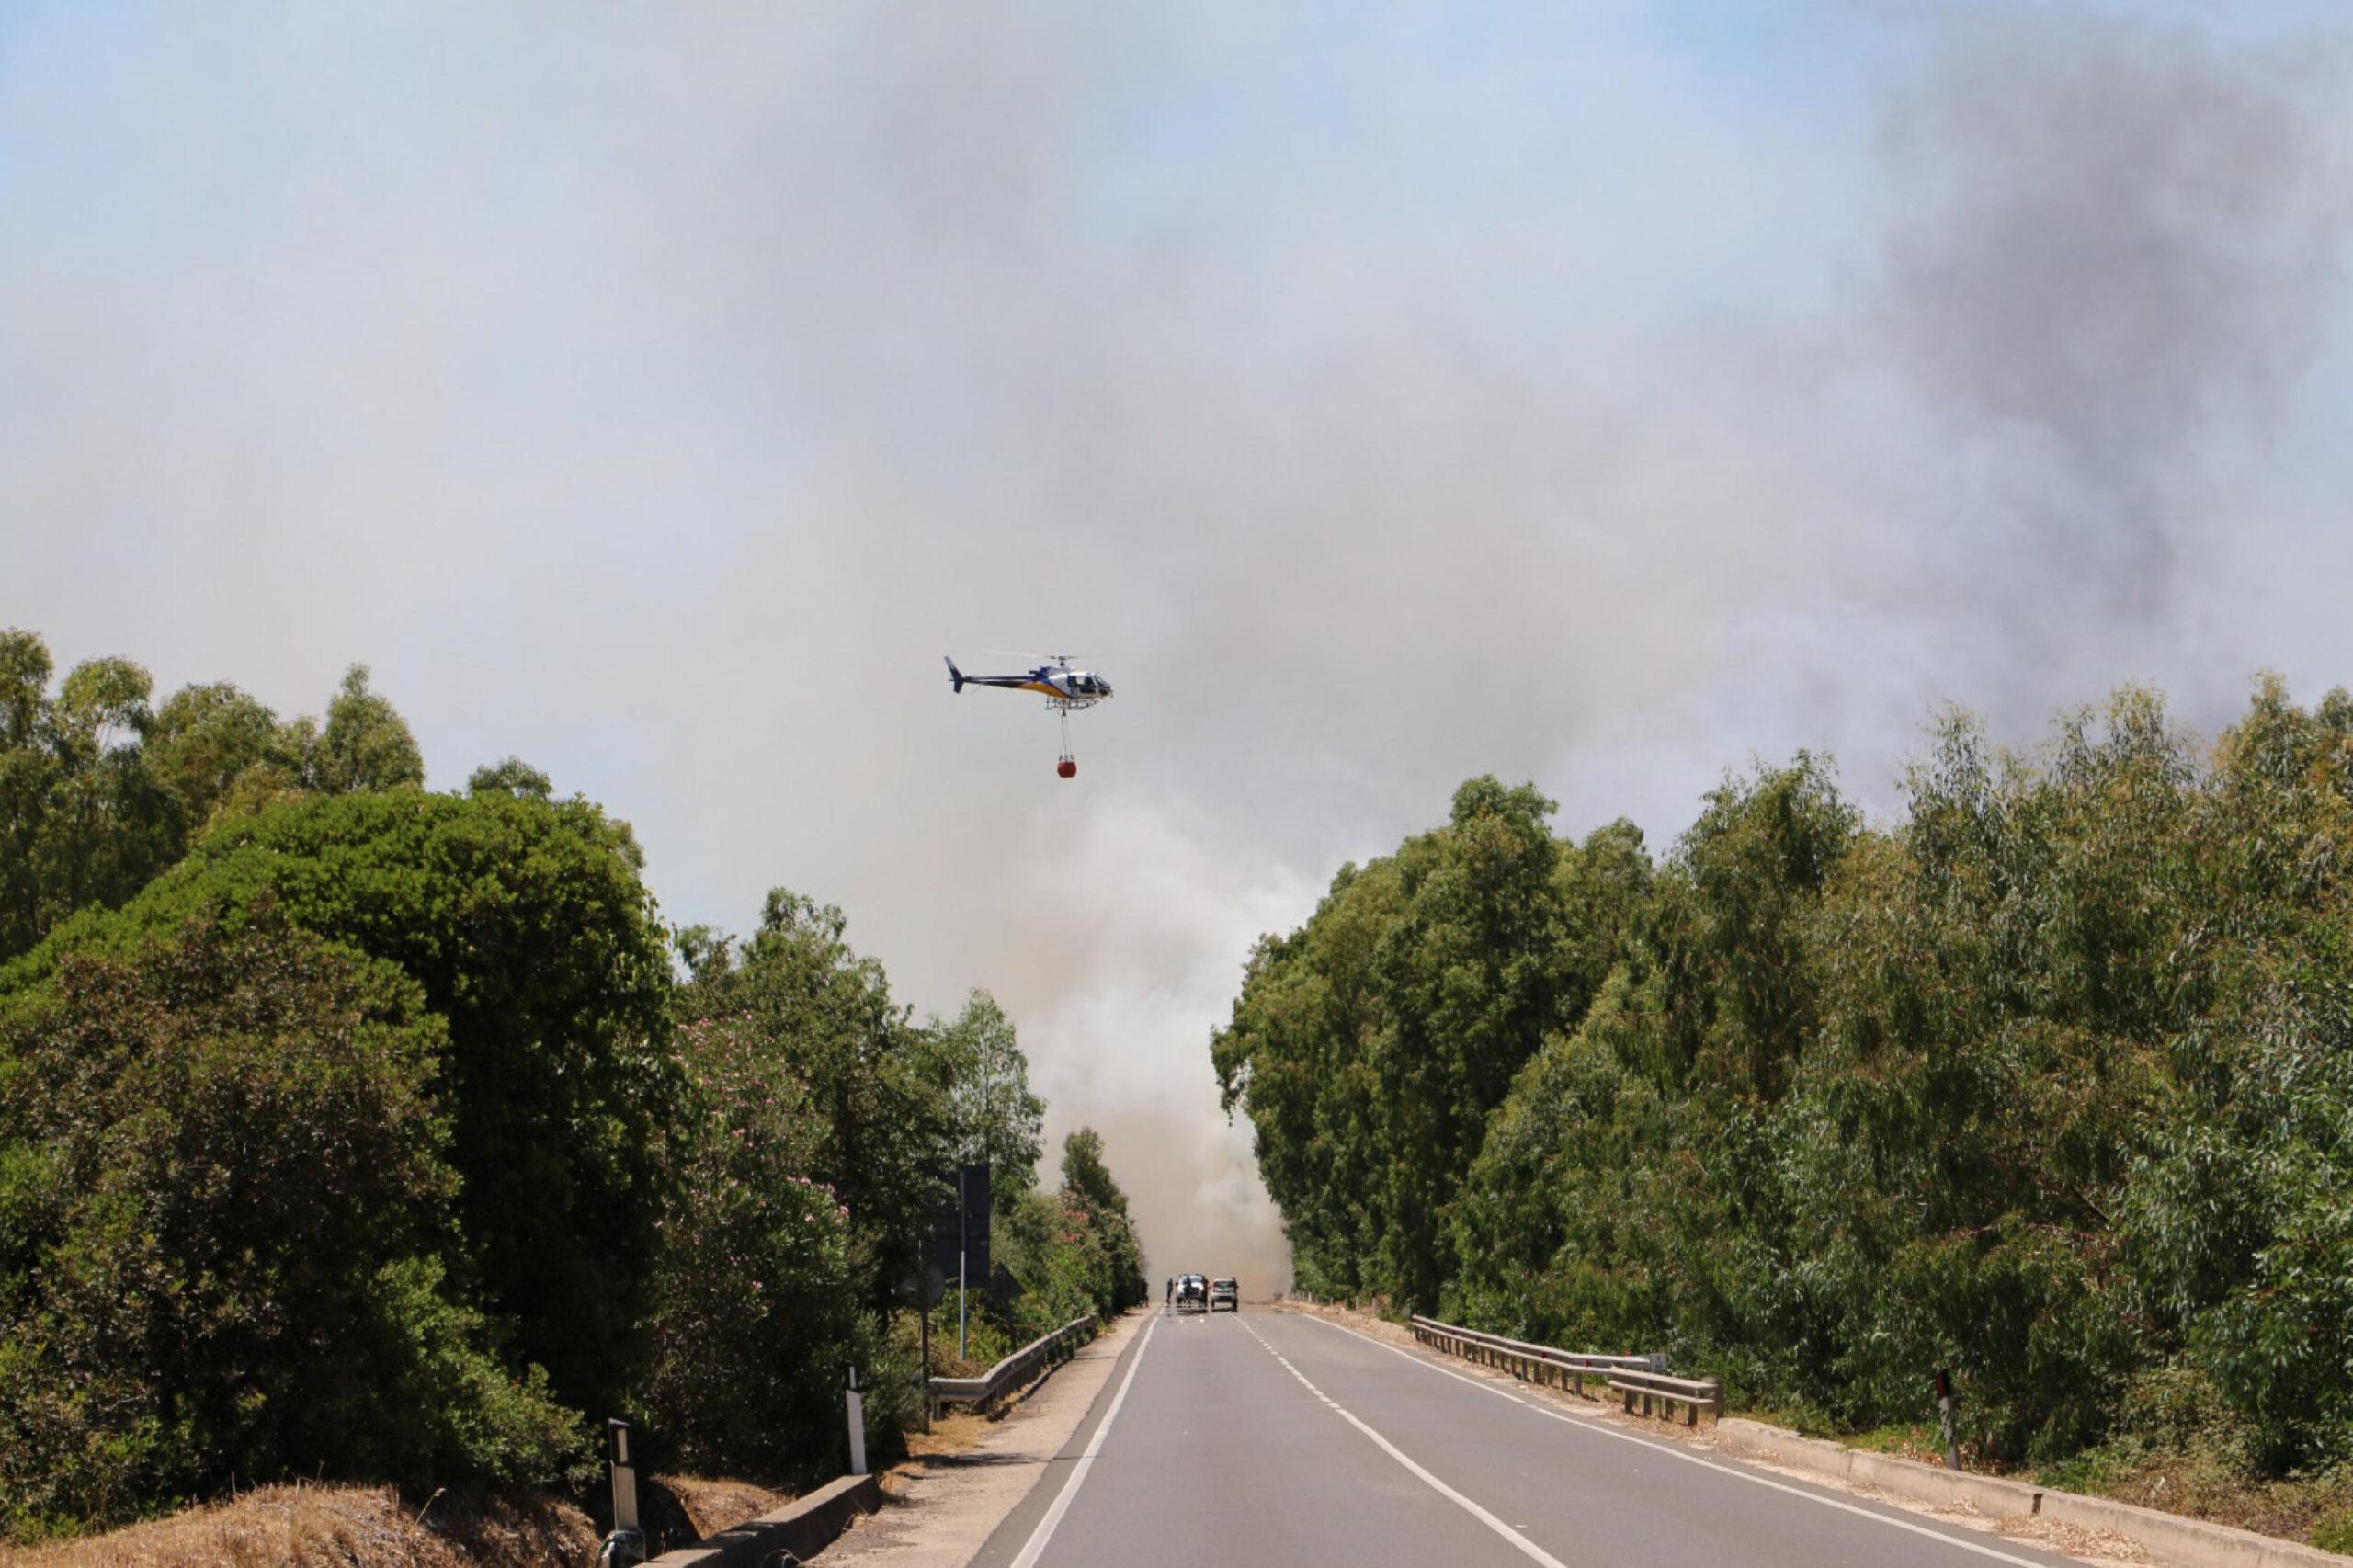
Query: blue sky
1602,395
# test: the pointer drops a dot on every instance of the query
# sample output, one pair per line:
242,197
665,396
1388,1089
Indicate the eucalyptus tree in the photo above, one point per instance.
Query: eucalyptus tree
992,1113
100,789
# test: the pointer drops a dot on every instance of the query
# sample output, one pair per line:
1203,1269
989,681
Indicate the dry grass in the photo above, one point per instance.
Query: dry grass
711,1505
332,1527
951,1432
2202,1487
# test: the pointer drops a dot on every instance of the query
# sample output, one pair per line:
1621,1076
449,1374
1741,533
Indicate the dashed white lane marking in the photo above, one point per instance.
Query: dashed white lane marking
1583,1425
1519,1543
1045,1530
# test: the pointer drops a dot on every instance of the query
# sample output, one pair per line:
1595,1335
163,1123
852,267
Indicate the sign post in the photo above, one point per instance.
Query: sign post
971,1239
959,1240
626,1544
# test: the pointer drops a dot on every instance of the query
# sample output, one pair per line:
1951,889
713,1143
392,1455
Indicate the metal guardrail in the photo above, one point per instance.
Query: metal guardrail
1694,1394
1015,1367
1634,1376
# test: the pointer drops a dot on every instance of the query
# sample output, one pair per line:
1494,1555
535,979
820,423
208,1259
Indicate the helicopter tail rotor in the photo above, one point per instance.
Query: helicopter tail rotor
955,675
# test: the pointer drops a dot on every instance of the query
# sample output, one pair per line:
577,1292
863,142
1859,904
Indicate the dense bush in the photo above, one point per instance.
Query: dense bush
223,1205
535,943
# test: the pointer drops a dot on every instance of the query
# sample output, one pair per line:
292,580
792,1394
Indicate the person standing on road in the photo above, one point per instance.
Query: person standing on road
1168,1293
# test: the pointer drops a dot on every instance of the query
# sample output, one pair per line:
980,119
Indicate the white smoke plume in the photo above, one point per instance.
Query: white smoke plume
1587,399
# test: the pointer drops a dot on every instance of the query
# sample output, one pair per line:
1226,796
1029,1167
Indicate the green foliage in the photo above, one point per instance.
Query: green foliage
2051,1083
366,745
993,1116
514,775
755,1306
877,1115
98,793
804,1178
1093,1223
348,1129
1039,1242
81,819
209,741
223,1203
1371,1045
526,927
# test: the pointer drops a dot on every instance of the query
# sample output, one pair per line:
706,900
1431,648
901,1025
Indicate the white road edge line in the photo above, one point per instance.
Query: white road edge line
1582,1424
1519,1542
1045,1530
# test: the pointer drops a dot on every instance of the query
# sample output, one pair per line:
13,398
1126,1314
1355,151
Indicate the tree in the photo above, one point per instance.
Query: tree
1296,1057
1086,1177
1369,1047
991,1114
26,768
98,792
535,940
206,739
1095,1213
89,823
514,775
757,1304
366,745
824,1015
2045,1082
223,1208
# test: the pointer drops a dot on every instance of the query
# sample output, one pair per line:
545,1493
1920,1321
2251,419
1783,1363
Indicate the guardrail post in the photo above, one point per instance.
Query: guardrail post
1944,1418
857,1403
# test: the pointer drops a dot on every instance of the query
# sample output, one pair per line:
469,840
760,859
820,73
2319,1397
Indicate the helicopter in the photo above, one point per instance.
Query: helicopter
1066,690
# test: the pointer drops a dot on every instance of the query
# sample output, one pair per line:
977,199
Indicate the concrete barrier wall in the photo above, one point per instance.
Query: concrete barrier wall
803,1526
2171,1541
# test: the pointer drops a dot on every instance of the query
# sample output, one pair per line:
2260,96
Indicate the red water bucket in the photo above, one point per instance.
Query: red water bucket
1067,768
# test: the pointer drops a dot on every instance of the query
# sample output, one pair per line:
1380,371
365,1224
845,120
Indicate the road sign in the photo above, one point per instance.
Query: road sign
959,1226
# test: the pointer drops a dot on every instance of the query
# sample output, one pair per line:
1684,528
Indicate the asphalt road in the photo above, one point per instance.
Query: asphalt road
1277,1438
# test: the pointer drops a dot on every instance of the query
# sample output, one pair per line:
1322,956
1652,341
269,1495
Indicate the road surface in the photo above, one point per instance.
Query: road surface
1283,1440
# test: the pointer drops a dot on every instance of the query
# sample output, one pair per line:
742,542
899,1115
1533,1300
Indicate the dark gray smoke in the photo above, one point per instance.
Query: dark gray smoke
2114,250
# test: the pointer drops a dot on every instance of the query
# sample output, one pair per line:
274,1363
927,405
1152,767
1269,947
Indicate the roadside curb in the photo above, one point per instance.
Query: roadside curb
2171,1541
803,1526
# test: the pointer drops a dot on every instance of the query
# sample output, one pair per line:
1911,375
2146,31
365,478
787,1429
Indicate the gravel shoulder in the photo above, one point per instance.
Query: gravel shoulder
940,1507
